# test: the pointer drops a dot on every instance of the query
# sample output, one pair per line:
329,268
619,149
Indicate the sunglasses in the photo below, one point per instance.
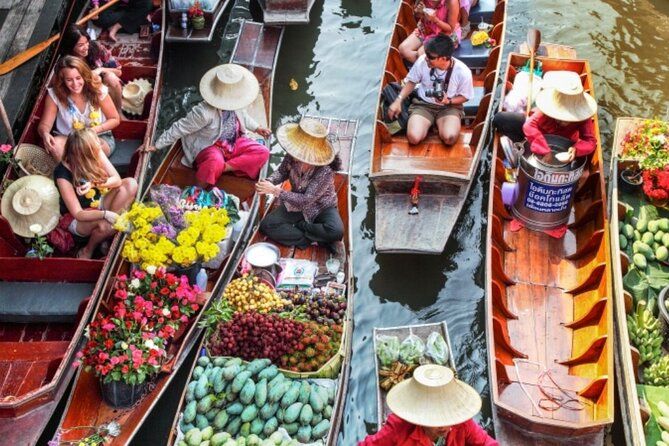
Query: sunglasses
432,56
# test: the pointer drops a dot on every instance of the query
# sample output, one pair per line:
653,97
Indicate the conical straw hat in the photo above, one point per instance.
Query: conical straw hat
563,98
29,201
229,87
307,142
434,398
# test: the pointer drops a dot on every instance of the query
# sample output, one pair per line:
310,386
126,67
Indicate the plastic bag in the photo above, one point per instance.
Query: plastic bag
412,350
388,349
437,349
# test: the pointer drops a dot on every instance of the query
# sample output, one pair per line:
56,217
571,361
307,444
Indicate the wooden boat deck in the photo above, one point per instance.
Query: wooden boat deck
549,312
446,172
175,33
286,12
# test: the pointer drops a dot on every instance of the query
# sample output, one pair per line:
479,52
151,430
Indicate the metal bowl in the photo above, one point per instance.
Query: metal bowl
262,255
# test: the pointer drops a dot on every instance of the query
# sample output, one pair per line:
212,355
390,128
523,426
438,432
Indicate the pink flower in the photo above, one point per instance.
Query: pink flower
4,148
108,326
114,360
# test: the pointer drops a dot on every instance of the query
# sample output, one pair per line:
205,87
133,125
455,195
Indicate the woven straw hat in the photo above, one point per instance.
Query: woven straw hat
31,200
229,87
307,142
434,398
563,97
33,160
134,93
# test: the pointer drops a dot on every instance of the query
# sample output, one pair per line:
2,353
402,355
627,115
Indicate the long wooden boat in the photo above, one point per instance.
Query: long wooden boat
175,31
286,12
45,304
446,172
402,332
549,310
345,131
85,406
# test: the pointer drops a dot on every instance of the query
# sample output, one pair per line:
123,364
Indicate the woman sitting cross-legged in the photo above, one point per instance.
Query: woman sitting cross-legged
213,133
91,190
76,101
308,212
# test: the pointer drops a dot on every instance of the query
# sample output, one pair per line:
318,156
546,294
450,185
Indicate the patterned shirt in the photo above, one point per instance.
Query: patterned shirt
311,192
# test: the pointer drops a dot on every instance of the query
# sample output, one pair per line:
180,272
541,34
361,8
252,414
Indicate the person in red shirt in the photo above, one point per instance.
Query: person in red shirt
429,407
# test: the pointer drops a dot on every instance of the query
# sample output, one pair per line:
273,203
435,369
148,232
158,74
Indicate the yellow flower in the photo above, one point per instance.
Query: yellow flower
90,194
479,38
95,114
78,125
95,204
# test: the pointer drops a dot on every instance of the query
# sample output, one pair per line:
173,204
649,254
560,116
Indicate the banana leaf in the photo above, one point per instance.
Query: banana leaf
653,395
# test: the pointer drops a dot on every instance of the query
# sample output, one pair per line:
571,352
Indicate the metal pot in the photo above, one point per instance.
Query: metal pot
263,259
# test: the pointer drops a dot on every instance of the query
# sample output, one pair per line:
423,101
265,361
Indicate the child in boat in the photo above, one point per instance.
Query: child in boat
213,133
308,212
126,16
76,42
431,408
436,70
434,17
77,100
92,192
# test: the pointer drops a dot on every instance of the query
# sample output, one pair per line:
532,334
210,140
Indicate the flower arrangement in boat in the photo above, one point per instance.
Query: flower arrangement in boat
656,184
182,240
195,10
648,144
6,155
127,340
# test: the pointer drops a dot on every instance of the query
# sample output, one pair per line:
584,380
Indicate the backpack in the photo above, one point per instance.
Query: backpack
388,96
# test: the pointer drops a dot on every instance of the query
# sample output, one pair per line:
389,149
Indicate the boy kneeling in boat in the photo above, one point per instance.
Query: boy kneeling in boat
213,133
442,84
431,408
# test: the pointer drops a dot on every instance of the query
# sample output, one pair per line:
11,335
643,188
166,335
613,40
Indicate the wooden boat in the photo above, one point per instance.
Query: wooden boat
85,406
345,131
45,304
422,331
446,172
549,314
286,12
176,33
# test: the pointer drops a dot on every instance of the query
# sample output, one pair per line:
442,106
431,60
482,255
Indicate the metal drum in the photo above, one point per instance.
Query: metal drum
546,186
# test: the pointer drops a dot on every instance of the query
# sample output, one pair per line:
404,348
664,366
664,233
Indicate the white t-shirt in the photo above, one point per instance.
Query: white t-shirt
461,83
68,113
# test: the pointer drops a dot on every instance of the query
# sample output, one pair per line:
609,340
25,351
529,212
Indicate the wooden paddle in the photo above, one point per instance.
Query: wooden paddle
533,42
21,58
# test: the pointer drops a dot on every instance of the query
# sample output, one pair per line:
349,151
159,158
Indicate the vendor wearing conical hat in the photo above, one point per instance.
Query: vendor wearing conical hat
431,408
213,133
308,212
563,108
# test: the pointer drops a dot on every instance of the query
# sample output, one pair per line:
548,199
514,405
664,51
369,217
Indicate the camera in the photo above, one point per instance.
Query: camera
436,92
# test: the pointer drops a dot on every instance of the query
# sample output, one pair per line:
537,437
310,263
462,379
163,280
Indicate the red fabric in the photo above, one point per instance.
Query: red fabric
559,232
61,238
397,432
246,158
582,134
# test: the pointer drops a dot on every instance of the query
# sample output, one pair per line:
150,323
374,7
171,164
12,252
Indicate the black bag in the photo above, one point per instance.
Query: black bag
388,96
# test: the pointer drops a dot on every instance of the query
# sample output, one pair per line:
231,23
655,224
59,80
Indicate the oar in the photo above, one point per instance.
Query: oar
533,42
25,56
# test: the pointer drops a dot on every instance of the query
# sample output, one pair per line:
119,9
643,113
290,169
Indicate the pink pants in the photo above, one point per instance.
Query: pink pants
246,158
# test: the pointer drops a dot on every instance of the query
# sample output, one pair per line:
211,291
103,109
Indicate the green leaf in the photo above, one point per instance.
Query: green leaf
653,395
648,212
636,283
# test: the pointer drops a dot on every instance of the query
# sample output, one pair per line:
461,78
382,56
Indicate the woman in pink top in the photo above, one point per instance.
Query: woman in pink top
434,17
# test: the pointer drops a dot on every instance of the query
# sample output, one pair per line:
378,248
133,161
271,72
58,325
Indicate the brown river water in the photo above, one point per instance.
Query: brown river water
337,61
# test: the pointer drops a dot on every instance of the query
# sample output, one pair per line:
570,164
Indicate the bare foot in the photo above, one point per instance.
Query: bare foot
84,253
113,31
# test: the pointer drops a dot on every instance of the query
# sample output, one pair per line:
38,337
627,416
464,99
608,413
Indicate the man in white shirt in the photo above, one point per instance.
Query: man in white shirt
442,85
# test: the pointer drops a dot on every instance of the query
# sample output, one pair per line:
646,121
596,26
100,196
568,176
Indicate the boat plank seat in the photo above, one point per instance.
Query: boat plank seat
476,57
122,156
482,12
42,301
431,155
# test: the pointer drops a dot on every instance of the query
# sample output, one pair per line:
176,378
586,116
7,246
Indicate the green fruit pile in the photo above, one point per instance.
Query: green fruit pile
645,334
649,240
229,403
658,373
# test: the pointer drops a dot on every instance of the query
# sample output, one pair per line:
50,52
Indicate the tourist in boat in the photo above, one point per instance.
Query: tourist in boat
431,408
308,212
434,17
76,100
126,16
443,84
92,192
213,133
465,25
562,109
76,42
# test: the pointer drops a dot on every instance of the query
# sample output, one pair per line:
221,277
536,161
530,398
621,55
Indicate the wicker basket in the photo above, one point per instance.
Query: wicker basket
33,160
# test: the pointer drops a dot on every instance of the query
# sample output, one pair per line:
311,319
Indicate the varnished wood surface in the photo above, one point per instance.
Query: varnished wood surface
550,329
393,159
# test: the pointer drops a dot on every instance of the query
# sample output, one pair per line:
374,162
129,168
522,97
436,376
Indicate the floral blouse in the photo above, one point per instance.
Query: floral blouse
310,193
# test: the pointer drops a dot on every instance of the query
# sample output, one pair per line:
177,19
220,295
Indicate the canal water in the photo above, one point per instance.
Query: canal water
337,61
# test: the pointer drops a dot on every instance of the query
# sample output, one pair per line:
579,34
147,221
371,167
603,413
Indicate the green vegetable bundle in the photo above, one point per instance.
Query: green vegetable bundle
388,349
645,334
658,372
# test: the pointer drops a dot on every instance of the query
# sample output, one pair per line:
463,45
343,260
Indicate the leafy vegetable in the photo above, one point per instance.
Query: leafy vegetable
412,349
437,349
388,349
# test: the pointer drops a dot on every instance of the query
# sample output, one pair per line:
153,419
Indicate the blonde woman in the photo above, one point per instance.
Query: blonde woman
76,101
91,190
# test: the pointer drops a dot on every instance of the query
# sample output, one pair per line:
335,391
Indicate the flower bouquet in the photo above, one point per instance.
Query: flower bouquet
656,185
196,15
647,145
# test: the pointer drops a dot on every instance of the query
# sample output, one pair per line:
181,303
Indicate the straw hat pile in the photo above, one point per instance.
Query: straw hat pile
307,142
563,97
31,201
133,96
229,87
434,398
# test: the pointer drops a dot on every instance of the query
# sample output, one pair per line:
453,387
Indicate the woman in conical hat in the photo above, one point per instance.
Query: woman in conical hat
308,212
431,408
563,109
213,133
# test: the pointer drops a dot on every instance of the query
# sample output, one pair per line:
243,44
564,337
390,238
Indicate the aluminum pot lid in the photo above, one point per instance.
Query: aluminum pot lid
262,254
